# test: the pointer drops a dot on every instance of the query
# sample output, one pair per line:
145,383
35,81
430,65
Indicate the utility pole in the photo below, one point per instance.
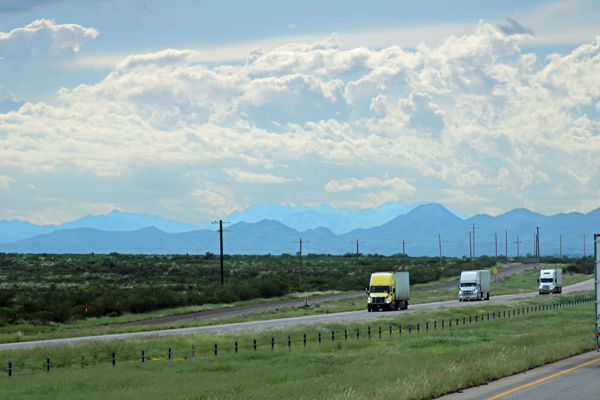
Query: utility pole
517,242
357,242
440,240
221,235
300,260
470,248
496,241
537,241
534,246
404,256
473,240
560,236
506,241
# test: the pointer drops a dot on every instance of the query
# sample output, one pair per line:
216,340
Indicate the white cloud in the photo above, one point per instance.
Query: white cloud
397,184
459,196
213,201
249,177
470,113
5,182
43,37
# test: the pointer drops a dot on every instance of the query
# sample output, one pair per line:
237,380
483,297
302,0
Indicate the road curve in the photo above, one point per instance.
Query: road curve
571,378
278,323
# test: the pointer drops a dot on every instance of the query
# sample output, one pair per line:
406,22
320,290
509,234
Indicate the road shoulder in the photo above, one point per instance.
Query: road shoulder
512,382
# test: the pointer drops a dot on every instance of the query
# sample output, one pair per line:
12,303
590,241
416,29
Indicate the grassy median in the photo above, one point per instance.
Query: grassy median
418,365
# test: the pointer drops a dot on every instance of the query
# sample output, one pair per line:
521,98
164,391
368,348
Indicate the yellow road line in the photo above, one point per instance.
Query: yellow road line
542,380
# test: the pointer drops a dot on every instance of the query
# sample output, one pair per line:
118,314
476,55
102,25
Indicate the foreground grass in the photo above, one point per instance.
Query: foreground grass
523,282
409,366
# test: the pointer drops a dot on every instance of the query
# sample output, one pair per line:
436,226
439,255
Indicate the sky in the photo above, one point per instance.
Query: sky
194,109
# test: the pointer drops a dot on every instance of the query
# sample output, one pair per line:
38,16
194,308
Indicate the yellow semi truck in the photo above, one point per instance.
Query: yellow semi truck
388,291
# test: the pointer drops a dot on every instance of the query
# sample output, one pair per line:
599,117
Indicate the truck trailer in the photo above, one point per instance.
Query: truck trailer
474,285
388,291
550,281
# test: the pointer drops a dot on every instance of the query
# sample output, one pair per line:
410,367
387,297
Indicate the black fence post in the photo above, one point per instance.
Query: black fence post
418,328
215,349
427,326
170,353
236,347
346,334
357,333
390,330
289,342
400,329
450,323
9,368
488,315
319,338
332,336
369,332
456,321
476,318
380,333
464,321
435,325
47,364
470,319
273,342
254,344
305,340
409,328
114,358
442,324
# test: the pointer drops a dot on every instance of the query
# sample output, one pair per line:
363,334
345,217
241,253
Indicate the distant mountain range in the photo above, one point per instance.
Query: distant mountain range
298,217
272,228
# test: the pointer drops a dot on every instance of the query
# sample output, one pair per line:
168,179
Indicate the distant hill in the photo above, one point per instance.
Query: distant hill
419,229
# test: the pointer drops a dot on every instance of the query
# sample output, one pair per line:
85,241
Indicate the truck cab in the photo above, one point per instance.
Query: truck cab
474,285
388,291
550,281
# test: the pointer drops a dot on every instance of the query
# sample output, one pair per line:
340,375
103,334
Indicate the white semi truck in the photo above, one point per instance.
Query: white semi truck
550,281
388,291
474,285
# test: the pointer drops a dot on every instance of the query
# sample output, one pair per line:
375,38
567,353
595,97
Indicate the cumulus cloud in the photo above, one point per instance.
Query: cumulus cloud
239,175
43,37
397,184
471,113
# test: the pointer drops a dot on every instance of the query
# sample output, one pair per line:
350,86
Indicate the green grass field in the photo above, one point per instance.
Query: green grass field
410,366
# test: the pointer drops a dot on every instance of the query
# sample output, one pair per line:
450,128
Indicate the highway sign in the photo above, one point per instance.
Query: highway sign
495,271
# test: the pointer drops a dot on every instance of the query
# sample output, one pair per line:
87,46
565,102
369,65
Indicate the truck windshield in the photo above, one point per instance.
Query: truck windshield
380,289
547,280
468,284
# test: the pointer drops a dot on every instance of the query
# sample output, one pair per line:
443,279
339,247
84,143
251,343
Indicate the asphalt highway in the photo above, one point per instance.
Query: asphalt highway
279,323
572,378
507,270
